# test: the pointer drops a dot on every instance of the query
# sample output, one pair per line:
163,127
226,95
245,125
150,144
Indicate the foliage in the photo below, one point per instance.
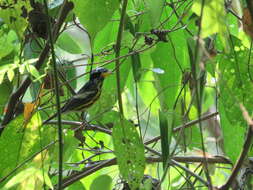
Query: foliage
184,74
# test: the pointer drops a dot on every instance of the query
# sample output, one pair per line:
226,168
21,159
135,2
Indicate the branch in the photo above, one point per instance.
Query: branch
106,163
193,159
188,124
15,97
81,124
87,171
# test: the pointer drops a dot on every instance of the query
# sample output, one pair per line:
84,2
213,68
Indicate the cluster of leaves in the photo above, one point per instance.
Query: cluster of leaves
178,60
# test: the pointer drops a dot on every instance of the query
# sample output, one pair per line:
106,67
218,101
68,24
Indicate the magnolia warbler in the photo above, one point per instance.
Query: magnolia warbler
87,95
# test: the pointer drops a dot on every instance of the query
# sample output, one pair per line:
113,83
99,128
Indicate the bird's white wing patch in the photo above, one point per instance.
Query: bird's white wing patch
84,95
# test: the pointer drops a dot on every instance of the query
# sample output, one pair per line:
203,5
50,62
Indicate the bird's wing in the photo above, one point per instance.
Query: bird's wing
79,100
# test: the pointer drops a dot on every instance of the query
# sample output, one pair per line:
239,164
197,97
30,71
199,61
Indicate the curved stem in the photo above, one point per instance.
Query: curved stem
117,52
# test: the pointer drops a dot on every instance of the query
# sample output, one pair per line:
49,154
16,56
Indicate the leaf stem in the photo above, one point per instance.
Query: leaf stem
117,53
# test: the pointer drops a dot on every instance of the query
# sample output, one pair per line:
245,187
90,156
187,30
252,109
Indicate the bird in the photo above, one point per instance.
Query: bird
87,95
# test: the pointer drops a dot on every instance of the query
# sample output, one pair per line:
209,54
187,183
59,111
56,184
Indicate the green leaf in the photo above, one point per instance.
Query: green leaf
213,19
100,42
6,46
34,72
164,131
69,43
129,151
102,182
22,69
14,17
155,11
77,185
168,82
136,66
235,84
146,89
235,88
94,15
43,176
232,146
20,177
70,144
10,142
10,74
147,185
1,77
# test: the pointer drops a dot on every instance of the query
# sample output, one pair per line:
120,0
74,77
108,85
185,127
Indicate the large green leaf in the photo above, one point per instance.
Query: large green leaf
68,43
129,151
102,182
235,83
10,143
146,88
169,81
233,135
6,43
18,142
94,15
77,185
103,43
155,11
235,88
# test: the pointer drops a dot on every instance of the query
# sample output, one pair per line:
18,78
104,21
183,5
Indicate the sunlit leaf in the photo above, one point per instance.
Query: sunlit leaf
213,18
1,77
20,177
33,71
10,74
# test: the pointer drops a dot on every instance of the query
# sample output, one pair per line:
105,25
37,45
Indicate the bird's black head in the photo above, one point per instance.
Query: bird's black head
99,73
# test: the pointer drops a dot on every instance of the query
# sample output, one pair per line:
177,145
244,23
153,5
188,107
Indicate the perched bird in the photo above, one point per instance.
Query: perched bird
87,95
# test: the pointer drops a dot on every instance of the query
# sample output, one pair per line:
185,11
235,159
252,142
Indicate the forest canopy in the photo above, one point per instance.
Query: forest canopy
126,94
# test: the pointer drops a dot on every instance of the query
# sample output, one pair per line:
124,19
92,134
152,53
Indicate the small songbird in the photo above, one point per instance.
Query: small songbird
87,95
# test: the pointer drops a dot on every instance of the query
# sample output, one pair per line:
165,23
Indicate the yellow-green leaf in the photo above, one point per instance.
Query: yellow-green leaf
10,74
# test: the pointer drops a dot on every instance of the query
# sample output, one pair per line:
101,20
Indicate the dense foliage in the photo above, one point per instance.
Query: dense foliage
175,113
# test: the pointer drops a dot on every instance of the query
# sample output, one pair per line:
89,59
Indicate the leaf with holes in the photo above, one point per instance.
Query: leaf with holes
129,151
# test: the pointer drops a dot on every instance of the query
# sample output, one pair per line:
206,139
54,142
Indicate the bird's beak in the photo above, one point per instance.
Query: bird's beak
106,74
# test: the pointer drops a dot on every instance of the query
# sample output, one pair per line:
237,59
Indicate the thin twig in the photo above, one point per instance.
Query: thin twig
57,98
186,125
81,124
